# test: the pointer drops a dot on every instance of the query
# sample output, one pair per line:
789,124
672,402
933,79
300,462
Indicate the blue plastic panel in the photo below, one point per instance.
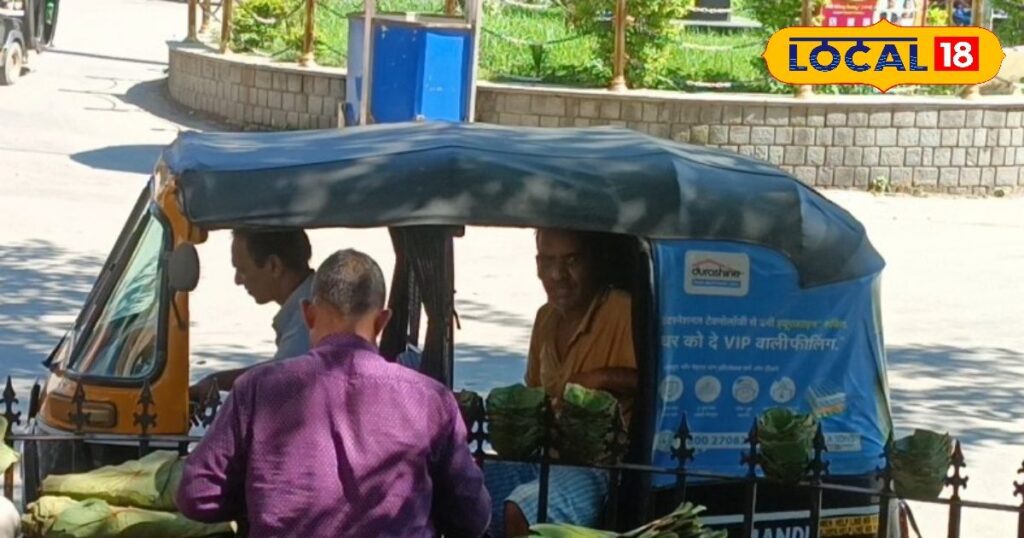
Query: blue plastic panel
739,335
419,72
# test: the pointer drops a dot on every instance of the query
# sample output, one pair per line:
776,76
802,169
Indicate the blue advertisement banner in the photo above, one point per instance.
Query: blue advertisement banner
739,336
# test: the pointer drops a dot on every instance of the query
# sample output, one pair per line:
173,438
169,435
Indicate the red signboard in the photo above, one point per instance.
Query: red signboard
849,13
867,12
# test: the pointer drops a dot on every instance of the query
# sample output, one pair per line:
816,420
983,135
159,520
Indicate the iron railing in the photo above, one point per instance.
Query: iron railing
814,482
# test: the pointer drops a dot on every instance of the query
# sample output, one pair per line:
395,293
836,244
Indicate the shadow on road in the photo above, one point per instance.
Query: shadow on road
102,56
469,309
153,97
139,158
482,368
42,288
973,394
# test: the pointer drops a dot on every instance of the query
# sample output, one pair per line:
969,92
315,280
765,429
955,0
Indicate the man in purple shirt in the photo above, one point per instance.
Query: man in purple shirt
338,442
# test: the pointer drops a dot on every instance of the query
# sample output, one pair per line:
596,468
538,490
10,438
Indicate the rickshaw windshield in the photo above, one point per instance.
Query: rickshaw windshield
120,340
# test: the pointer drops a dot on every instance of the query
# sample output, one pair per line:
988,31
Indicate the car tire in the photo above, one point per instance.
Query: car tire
11,62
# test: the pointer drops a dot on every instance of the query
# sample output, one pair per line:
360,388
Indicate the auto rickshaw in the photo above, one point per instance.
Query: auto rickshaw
751,290
23,30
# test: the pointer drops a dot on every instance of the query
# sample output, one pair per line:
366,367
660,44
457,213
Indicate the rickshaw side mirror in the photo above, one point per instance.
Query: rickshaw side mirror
183,268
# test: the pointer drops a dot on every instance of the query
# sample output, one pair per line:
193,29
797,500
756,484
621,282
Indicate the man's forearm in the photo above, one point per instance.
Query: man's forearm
618,381
226,379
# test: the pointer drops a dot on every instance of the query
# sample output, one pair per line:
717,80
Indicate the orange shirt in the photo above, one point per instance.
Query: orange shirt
604,339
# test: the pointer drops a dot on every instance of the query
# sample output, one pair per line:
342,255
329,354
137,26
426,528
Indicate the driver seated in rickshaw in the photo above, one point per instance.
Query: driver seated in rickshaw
582,335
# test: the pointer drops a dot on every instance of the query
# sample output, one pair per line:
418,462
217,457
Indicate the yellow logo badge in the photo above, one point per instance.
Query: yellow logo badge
884,55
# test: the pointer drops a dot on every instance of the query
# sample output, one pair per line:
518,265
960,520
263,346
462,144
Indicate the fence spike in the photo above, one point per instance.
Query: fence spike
1018,490
10,400
958,481
477,432
145,420
750,458
79,417
818,466
1019,487
682,451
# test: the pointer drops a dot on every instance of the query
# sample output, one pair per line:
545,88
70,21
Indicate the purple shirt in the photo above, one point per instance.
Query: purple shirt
338,442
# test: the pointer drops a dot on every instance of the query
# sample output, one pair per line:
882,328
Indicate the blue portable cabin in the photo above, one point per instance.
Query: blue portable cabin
751,290
411,66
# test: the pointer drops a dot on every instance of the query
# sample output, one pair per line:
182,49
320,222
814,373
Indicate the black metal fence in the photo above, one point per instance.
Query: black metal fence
814,483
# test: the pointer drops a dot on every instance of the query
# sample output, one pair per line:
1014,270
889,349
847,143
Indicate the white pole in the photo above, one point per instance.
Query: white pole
369,12
476,20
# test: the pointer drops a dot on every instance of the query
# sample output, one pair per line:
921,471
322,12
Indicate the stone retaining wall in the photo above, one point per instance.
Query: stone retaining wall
933,144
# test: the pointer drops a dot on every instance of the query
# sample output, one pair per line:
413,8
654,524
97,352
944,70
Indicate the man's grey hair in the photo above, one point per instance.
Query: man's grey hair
351,282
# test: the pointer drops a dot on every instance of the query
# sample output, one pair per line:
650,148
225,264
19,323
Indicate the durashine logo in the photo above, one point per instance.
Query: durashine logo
717,273
884,55
711,273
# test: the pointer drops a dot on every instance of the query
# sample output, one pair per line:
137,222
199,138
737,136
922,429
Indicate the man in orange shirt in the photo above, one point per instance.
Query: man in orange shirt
582,335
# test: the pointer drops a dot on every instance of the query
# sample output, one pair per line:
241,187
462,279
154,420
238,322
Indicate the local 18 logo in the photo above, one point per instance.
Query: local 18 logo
883,55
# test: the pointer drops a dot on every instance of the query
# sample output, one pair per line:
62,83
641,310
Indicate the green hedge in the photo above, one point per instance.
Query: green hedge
557,45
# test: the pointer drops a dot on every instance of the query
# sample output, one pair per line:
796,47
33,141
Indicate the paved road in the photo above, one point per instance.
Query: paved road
79,134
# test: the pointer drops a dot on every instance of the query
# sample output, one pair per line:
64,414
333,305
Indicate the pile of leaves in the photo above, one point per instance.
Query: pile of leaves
919,464
682,523
135,498
590,426
469,403
150,482
787,439
64,517
515,417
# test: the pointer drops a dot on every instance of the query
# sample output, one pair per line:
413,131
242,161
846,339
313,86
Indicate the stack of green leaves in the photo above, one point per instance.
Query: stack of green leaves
787,439
515,416
468,400
64,517
682,523
588,425
150,482
919,464
8,456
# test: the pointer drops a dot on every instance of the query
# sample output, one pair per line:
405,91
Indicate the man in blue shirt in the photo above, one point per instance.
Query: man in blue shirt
271,266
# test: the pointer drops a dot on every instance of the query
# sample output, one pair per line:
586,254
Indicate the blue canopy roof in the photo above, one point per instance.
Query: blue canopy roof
600,179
